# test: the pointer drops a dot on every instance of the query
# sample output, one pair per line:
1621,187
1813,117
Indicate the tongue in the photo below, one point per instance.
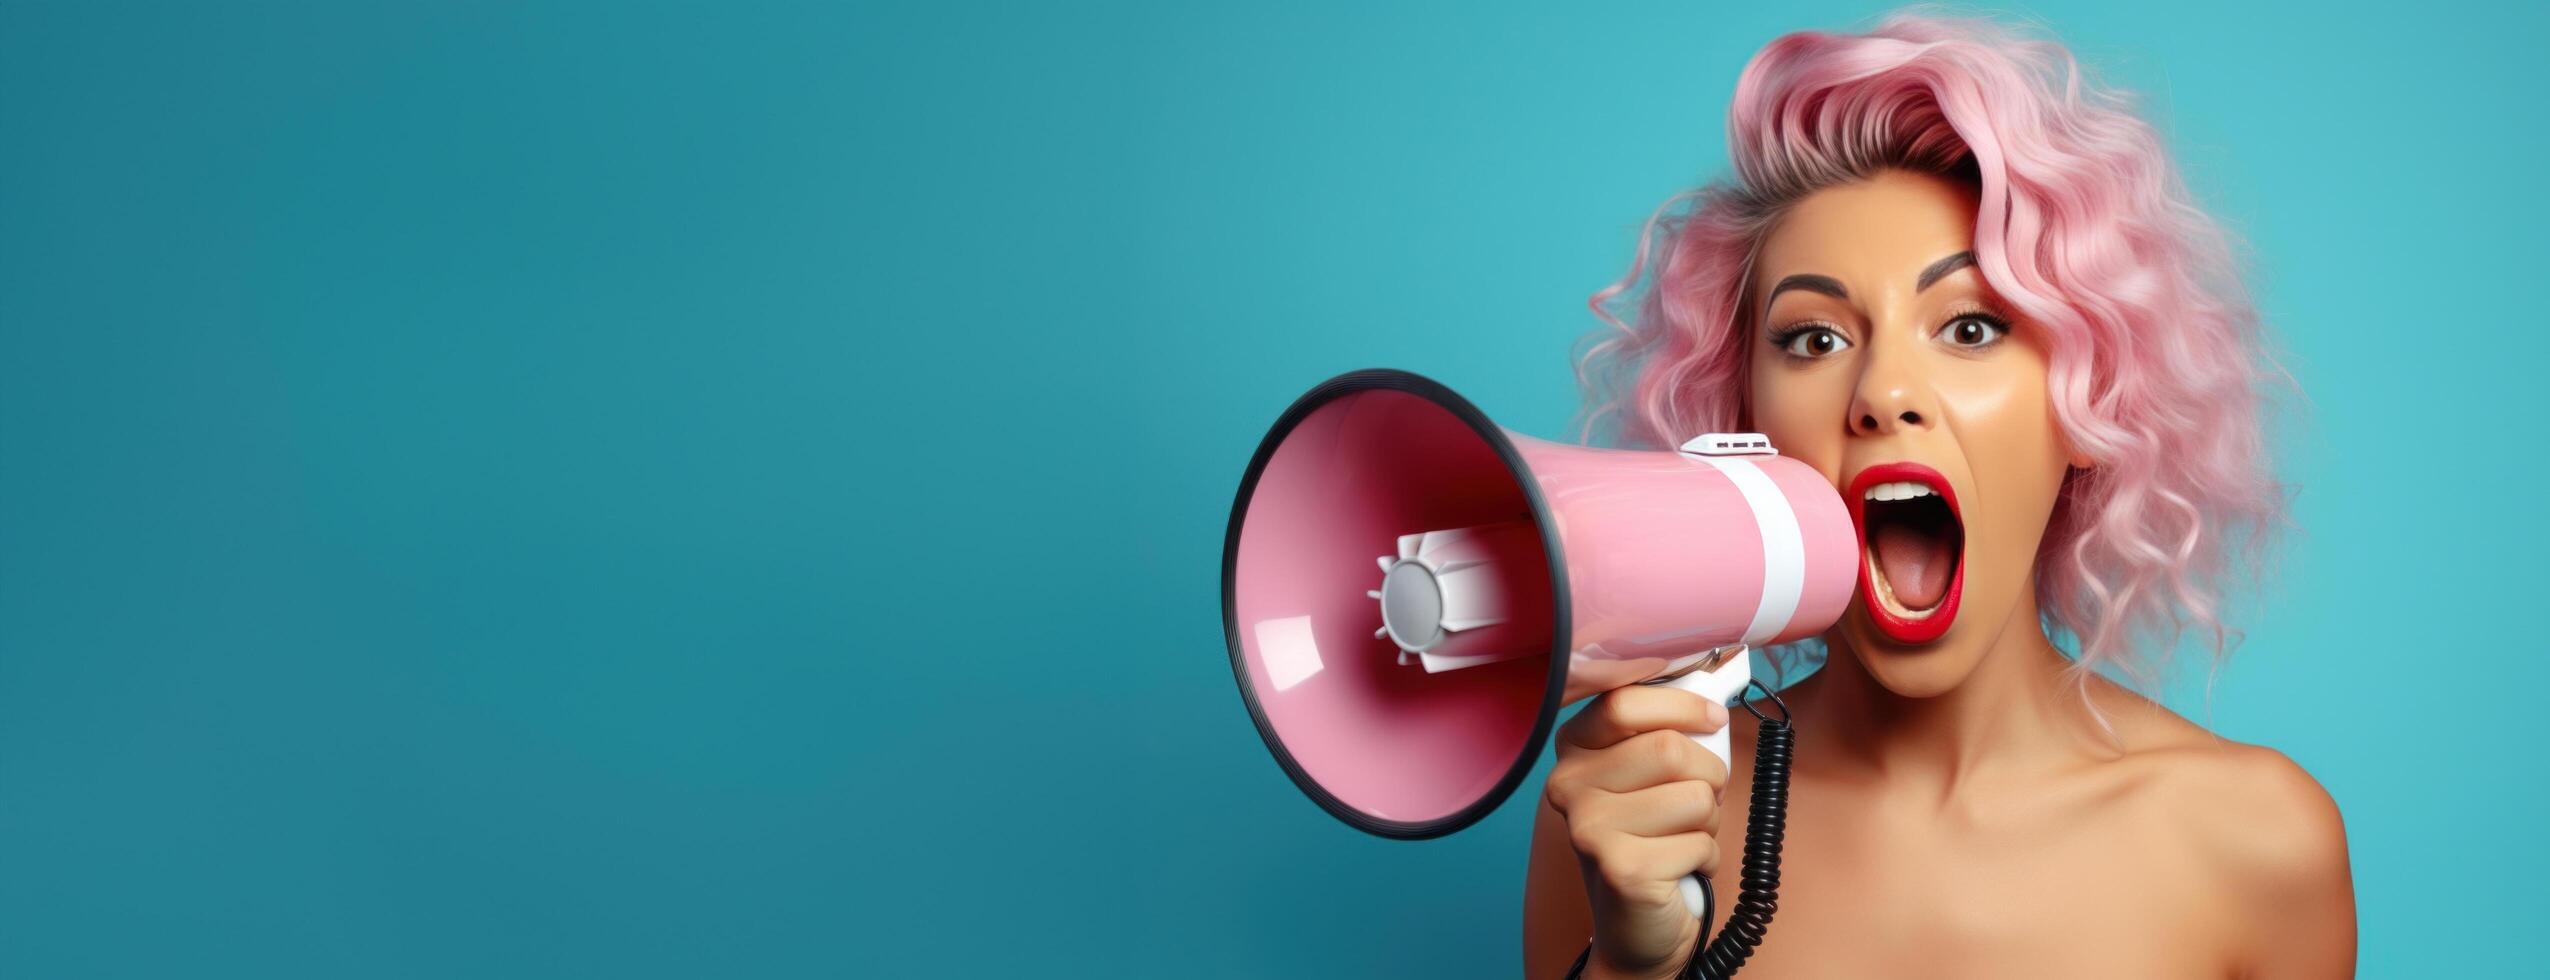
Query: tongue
1916,565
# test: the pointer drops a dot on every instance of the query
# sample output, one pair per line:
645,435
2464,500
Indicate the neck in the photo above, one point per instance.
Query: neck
2015,709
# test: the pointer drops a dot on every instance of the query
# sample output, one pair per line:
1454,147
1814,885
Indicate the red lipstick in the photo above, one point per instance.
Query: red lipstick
1928,625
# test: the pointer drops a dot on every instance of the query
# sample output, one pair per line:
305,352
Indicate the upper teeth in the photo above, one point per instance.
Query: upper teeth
1898,490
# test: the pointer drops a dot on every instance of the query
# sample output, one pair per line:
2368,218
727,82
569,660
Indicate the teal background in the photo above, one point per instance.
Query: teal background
736,489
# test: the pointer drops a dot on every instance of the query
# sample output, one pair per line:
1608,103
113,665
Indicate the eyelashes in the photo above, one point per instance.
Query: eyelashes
1968,329
1972,330
1809,341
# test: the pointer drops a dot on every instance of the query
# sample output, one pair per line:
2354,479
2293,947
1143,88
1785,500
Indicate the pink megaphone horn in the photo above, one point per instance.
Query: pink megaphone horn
1410,593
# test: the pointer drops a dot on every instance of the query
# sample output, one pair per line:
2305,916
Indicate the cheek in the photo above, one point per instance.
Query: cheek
2005,423
1802,411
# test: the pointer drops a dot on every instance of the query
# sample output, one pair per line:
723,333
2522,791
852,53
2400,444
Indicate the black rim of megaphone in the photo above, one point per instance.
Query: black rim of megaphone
1384,379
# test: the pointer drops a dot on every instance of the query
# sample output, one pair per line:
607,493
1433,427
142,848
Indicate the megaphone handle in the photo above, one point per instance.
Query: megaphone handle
1718,686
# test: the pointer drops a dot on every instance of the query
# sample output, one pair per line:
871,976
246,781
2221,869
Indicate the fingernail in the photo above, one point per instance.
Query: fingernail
1717,714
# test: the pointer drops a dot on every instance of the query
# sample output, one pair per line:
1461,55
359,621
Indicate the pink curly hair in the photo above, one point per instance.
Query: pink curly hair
2156,358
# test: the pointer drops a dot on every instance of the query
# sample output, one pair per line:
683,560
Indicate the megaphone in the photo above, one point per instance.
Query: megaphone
1410,593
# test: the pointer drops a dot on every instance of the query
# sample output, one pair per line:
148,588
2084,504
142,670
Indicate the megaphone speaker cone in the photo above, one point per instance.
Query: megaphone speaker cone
1410,592
1390,746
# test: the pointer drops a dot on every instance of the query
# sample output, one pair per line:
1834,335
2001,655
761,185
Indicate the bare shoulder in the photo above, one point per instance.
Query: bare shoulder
2248,810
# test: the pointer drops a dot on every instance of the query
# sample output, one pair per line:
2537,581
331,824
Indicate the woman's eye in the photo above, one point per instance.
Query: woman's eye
1813,342
1973,331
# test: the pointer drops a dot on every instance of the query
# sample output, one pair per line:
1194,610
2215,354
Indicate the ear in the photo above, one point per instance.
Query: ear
2072,453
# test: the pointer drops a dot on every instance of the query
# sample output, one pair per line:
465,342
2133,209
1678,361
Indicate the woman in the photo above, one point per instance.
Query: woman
1966,286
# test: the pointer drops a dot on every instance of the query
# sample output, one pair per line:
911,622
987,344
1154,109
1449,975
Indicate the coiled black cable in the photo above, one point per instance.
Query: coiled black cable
1766,824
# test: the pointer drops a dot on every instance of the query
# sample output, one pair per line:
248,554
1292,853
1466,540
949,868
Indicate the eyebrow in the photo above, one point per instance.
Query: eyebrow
1832,287
1940,269
1810,282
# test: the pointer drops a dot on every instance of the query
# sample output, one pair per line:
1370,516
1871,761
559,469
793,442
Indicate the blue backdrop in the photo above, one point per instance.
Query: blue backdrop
712,489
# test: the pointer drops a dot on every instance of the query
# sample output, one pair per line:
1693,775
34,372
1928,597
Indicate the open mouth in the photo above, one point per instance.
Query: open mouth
1913,544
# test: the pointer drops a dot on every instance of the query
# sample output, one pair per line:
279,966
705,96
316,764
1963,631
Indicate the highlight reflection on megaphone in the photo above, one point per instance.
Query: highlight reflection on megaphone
1410,593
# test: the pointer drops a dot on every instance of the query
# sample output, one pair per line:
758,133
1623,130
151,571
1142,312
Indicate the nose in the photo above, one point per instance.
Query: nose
1892,397
1874,422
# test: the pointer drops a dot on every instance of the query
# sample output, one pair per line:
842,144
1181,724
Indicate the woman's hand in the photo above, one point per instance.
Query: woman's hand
1641,803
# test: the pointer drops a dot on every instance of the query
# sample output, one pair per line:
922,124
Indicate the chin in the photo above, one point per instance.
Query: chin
1922,670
